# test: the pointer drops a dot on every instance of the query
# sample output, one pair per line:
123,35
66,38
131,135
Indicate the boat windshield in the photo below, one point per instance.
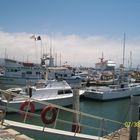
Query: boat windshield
68,91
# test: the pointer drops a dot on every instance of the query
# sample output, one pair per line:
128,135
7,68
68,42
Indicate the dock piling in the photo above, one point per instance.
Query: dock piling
76,106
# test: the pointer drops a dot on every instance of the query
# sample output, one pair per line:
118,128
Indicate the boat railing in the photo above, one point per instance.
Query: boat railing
102,126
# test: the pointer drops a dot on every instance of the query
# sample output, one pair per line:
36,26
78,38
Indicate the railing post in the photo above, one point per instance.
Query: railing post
56,118
101,131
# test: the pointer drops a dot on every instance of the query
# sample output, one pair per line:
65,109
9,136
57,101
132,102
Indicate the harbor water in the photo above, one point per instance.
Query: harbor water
117,110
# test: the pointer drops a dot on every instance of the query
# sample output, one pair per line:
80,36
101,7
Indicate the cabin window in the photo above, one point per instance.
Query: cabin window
67,91
37,73
28,72
60,92
65,75
72,74
64,92
23,74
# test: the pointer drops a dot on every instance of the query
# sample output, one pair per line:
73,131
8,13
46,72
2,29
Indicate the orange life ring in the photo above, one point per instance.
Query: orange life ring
53,110
24,106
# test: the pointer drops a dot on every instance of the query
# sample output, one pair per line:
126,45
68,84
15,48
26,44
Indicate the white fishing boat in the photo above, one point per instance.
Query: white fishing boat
64,73
123,89
113,91
52,91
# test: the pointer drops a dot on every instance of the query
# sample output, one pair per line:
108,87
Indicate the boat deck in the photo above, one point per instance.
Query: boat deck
8,133
122,134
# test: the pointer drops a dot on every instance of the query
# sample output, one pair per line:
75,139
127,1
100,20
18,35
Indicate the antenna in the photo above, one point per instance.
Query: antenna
51,45
5,53
102,58
56,58
123,49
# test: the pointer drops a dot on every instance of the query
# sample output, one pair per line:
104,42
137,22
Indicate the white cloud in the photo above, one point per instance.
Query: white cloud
77,50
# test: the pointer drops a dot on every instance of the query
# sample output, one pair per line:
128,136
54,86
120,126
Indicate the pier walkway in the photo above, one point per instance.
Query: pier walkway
7,133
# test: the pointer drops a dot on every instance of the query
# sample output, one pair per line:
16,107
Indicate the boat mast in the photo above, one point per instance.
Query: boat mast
130,60
60,59
102,58
122,65
5,54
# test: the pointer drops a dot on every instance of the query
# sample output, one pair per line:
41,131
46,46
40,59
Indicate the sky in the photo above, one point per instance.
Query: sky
77,30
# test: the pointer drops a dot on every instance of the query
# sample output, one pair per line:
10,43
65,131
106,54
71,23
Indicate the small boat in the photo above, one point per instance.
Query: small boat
51,91
64,73
104,79
113,91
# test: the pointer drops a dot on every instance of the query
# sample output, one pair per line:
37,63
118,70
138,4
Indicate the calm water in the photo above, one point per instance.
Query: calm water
115,110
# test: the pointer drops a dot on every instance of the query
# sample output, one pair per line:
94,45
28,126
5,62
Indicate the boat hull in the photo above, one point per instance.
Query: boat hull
17,81
15,106
122,93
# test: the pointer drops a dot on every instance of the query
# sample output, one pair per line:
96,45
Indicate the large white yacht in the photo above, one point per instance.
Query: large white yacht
20,73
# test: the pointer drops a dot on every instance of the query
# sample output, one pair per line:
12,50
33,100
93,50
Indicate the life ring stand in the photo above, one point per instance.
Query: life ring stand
44,117
23,107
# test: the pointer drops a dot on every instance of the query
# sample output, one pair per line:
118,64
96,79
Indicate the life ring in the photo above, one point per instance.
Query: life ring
76,128
44,118
24,106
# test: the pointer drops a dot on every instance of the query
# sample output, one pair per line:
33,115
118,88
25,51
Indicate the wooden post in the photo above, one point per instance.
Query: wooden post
75,126
134,117
101,132
2,115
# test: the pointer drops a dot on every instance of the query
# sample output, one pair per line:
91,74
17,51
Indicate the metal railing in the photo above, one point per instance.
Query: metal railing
101,124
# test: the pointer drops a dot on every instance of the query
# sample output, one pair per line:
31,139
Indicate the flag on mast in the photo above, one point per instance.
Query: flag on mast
38,38
33,37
